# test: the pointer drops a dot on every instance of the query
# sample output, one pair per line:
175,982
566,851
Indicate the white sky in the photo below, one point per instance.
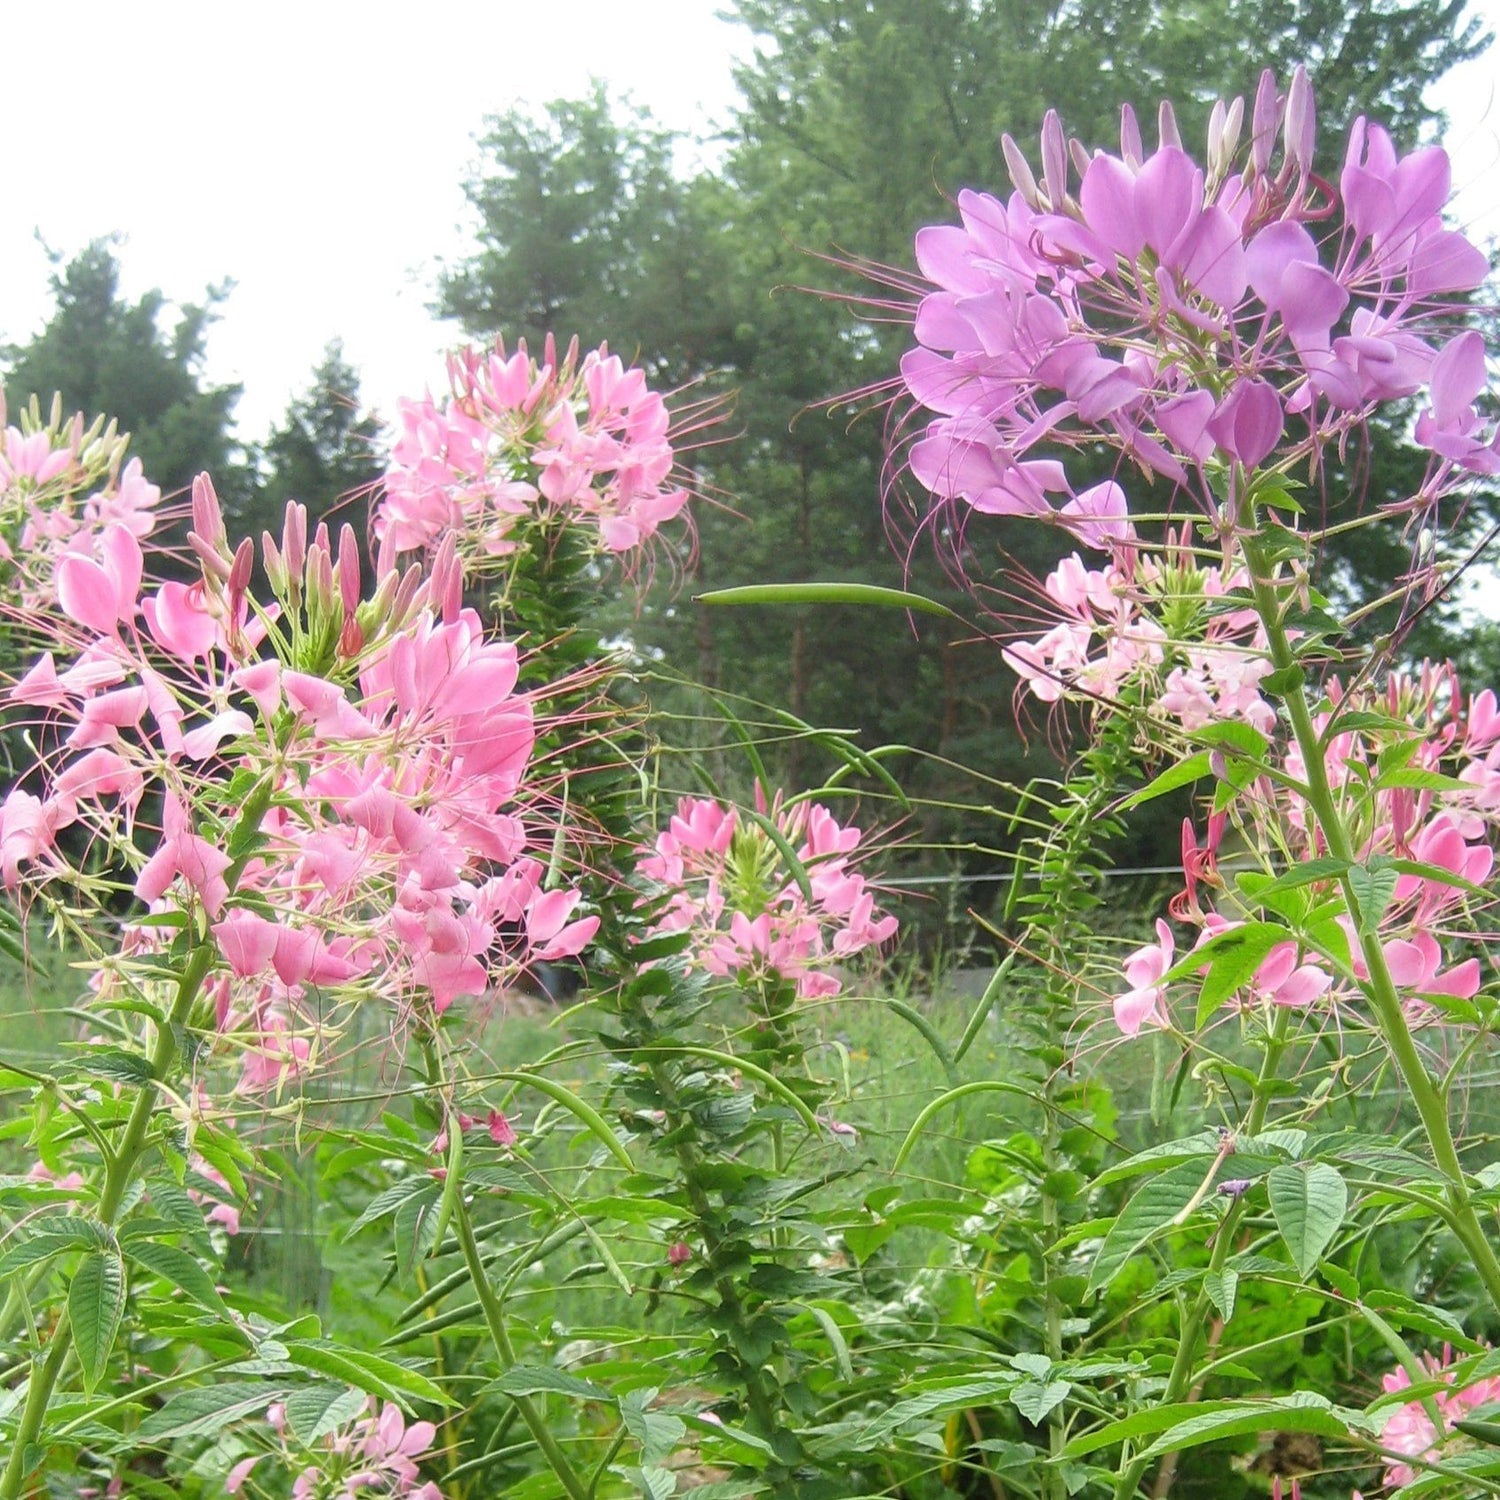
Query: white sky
314,152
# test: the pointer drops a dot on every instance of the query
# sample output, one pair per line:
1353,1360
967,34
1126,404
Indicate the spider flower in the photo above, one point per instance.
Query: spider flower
520,443
727,884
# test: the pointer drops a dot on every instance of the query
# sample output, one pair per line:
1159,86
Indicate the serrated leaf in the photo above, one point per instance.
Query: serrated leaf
1326,867
180,1268
1235,962
370,1372
209,1409
954,1395
117,1065
1183,773
1309,1202
313,1411
1034,1400
652,1483
1425,1317
388,1201
1221,1287
535,1380
1302,1411
1151,1209
56,1234
657,1432
1204,1145
414,1228
1372,890
96,1304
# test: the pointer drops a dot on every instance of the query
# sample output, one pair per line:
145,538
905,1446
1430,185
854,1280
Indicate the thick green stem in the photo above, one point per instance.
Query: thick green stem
121,1169
757,1396
1426,1093
494,1317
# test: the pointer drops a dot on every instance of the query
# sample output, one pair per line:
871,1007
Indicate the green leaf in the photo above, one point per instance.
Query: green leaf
1372,890
117,1065
56,1233
313,1411
1302,1411
181,1269
1234,962
96,1303
1204,1146
535,1380
1182,773
415,1226
652,1483
208,1409
370,1372
950,1395
1154,1205
1221,1287
1309,1201
658,1433
1324,868
1034,1400
388,1201
825,593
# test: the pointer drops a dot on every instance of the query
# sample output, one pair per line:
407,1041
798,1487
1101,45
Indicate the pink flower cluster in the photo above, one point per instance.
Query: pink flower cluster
394,856
518,442
375,1455
1424,790
1150,627
61,488
1410,1431
1183,314
728,885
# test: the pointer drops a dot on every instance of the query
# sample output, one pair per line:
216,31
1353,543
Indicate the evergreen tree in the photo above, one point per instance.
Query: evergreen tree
859,118
108,355
324,452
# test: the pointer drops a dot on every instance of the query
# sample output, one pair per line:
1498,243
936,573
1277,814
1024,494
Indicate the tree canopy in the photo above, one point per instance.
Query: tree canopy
129,360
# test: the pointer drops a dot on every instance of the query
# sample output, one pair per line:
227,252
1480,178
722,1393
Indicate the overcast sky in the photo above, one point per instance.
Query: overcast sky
314,153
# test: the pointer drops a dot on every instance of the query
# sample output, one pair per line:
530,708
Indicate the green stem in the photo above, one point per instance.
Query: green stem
757,1397
494,1317
1427,1094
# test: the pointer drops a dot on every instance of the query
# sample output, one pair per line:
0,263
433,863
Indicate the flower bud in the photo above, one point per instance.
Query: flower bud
1167,132
1054,160
1131,147
208,516
294,538
1301,122
1263,124
272,561
1020,171
349,568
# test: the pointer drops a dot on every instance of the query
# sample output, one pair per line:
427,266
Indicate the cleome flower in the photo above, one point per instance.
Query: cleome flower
1196,318
520,444
725,881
